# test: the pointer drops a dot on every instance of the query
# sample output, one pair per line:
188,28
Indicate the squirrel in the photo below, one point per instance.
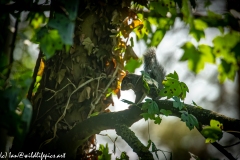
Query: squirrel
135,82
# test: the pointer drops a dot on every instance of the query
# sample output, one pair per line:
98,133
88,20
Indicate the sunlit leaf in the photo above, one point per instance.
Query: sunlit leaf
132,64
105,153
64,26
213,132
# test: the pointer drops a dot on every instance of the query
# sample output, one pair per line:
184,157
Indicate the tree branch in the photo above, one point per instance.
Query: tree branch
130,137
104,121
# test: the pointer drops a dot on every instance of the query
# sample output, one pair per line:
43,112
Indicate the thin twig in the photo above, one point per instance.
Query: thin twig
99,97
231,145
110,139
64,112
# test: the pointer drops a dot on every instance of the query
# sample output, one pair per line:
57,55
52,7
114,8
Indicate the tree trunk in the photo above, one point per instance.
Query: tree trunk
75,82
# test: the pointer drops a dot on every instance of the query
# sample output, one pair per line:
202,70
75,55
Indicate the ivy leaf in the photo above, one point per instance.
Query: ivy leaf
157,120
213,132
190,120
49,41
177,103
64,26
88,45
166,112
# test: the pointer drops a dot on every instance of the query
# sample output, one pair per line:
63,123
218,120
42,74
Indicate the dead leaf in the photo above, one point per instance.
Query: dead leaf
129,53
61,75
41,68
88,45
85,94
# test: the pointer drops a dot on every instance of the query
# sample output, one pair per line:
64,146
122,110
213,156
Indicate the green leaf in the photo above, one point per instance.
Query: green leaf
123,156
177,103
94,114
190,120
64,26
200,24
206,53
173,75
151,106
184,89
148,79
213,132
197,57
71,8
147,115
159,7
105,155
132,65
50,41
173,87
195,104
192,55
197,34
149,143
166,112
157,37
157,120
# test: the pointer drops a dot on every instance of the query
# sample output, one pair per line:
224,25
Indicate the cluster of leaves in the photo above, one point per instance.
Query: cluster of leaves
106,156
58,29
51,34
224,52
153,112
173,88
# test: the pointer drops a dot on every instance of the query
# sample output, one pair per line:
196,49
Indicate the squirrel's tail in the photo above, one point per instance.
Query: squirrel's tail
153,67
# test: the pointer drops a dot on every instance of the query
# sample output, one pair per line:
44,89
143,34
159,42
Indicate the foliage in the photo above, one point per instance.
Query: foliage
123,156
213,132
105,153
56,32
